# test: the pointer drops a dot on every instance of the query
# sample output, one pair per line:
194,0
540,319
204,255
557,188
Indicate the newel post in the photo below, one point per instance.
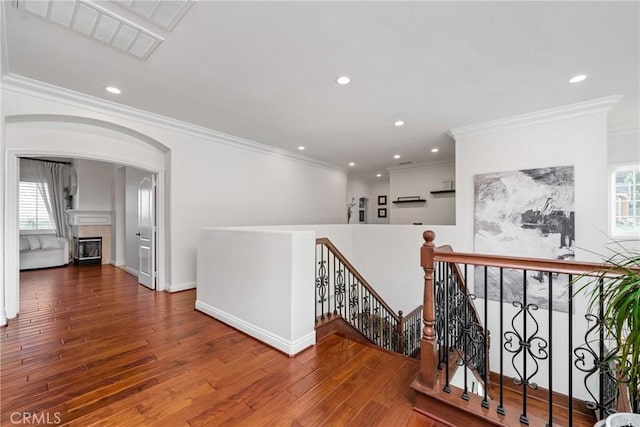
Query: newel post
428,343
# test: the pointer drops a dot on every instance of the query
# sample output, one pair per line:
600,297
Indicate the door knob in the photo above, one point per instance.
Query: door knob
137,234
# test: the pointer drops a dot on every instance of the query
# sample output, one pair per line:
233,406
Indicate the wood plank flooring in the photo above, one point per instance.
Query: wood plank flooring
92,347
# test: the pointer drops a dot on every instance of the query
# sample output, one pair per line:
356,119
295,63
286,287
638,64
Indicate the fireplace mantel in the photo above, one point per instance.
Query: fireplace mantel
82,217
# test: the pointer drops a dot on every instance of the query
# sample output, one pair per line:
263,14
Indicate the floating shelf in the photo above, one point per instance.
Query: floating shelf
410,199
442,191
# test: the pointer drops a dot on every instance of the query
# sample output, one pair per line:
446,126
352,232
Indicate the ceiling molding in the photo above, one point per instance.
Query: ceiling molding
625,130
38,89
594,106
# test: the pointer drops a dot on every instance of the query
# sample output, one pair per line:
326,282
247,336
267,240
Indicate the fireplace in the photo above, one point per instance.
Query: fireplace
88,250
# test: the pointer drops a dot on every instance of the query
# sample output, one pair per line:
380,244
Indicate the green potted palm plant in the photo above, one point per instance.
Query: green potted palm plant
618,284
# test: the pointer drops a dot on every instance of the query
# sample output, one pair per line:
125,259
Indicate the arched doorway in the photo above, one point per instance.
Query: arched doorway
81,138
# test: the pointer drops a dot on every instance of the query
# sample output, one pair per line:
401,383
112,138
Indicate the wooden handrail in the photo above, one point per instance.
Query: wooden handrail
521,263
413,312
326,242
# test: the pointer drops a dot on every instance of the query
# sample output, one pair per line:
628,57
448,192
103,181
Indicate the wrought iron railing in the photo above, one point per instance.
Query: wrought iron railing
340,290
460,334
529,332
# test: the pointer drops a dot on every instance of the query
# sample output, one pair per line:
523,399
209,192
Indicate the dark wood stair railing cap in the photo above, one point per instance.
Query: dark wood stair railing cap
445,254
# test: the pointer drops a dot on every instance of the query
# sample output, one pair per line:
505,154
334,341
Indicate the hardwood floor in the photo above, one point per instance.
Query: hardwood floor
92,347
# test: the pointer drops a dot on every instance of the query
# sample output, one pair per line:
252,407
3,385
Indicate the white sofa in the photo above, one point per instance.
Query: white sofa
43,250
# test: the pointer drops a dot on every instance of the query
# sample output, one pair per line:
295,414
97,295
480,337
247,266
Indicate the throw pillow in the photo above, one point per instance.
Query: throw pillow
24,244
34,243
49,242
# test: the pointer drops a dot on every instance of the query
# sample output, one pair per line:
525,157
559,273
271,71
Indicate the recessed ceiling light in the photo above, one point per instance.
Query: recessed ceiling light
113,89
378,175
301,148
435,150
578,78
399,123
352,164
343,80
396,156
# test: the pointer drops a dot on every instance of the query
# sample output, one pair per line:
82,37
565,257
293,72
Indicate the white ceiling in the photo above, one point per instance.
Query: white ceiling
266,70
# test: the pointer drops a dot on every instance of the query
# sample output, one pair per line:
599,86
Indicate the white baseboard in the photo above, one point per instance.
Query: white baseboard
180,287
130,270
286,346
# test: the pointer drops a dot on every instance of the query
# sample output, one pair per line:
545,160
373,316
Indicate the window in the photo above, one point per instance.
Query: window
626,200
33,212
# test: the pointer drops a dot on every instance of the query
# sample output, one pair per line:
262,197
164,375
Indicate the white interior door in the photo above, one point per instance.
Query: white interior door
147,232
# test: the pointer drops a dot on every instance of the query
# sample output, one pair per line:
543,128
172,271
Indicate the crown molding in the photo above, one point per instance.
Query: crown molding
624,130
594,106
24,85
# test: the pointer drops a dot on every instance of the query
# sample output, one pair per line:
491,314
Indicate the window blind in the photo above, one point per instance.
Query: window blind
33,212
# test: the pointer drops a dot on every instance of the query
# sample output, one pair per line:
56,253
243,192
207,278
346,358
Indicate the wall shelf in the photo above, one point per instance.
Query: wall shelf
442,191
412,199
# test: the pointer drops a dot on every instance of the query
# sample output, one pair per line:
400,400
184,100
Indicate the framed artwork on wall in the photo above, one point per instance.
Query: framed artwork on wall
382,200
527,213
382,212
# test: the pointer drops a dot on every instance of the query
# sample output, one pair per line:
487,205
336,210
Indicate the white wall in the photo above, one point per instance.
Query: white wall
420,181
623,146
215,179
570,136
118,231
95,185
261,282
3,317
357,189
132,178
379,187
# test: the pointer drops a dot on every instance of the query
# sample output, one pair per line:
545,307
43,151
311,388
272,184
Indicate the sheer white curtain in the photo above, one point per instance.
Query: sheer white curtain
56,176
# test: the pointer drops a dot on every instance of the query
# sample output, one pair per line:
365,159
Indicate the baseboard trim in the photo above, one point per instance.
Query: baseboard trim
180,287
130,270
288,347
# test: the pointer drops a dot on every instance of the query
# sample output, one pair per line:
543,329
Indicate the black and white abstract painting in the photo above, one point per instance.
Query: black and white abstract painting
528,213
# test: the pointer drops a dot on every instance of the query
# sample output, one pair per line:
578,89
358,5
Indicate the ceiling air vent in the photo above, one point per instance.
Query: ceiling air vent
93,21
404,163
165,14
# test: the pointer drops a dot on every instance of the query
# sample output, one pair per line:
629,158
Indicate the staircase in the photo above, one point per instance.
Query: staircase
551,363
347,304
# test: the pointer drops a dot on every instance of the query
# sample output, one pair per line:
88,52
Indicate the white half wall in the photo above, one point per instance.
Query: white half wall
260,282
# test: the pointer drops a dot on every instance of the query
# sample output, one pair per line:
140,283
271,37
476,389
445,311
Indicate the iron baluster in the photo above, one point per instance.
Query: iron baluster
339,290
601,347
523,417
446,328
465,393
500,408
527,344
483,361
322,282
550,350
570,313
